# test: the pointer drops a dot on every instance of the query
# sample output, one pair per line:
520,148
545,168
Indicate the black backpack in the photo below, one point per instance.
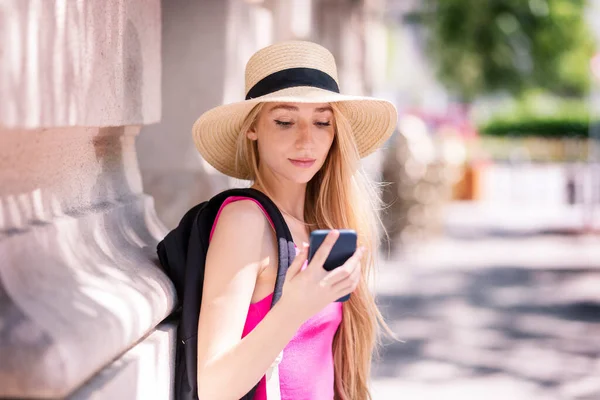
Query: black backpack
182,254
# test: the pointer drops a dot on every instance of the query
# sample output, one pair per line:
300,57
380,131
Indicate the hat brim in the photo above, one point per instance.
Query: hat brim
216,132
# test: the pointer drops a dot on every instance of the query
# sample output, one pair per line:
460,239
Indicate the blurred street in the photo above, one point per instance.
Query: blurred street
498,308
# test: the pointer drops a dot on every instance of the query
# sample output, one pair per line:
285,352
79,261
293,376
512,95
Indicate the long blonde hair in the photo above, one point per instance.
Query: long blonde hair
340,195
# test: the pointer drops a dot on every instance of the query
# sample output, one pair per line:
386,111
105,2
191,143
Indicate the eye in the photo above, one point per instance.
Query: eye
283,123
323,124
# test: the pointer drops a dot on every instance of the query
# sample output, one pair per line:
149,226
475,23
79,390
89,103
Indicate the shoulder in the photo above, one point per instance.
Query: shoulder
242,237
244,210
241,221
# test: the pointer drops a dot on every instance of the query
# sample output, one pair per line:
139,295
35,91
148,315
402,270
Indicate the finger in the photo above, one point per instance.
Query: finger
339,274
346,271
343,288
324,249
299,260
354,278
348,285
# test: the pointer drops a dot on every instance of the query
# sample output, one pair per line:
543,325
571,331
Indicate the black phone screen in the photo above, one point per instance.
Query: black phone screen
342,250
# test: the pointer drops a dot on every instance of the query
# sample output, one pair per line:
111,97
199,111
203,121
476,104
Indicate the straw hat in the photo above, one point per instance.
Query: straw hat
294,72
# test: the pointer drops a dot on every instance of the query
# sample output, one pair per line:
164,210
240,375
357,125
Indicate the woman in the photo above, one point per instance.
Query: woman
300,142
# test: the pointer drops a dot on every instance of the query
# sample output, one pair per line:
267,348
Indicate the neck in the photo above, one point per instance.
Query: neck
288,196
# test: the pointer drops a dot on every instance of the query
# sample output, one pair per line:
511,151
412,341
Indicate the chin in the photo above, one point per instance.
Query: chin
301,178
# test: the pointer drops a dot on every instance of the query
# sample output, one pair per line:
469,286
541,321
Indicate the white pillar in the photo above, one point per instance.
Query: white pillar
206,45
78,281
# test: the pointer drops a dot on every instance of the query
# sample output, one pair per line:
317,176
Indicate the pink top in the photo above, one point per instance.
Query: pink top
306,370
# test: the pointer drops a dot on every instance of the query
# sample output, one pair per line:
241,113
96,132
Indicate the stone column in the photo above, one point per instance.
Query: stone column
78,281
205,48
343,26
339,26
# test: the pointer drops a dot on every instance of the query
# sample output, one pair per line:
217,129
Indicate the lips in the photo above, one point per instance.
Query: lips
303,162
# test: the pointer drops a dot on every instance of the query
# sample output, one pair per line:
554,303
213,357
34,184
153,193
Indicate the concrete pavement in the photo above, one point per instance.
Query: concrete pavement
492,310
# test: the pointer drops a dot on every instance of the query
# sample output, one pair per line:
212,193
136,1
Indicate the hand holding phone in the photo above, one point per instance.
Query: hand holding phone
342,250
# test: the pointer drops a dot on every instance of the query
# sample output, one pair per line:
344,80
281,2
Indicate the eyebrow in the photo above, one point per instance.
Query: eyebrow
294,108
284,107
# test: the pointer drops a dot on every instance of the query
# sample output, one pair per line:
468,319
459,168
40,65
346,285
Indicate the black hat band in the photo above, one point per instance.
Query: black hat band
293,77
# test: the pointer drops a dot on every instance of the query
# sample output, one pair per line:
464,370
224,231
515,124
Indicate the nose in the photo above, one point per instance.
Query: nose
305,136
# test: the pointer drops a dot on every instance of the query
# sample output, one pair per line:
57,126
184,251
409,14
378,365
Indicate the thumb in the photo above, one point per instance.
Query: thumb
296,265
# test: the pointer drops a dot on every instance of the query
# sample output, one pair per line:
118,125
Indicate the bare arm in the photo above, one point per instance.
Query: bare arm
228,367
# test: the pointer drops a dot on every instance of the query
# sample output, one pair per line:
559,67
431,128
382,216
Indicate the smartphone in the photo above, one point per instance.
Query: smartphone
342,250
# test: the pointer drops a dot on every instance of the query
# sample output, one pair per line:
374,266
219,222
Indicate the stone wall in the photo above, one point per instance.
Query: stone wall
78,282
205,48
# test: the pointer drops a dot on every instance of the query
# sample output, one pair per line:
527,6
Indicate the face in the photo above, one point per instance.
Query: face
293,139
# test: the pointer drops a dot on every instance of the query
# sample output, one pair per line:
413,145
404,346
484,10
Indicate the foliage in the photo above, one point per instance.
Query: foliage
537,114
541,127
489,46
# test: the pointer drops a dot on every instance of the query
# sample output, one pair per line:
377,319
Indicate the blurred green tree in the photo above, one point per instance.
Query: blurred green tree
488,46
